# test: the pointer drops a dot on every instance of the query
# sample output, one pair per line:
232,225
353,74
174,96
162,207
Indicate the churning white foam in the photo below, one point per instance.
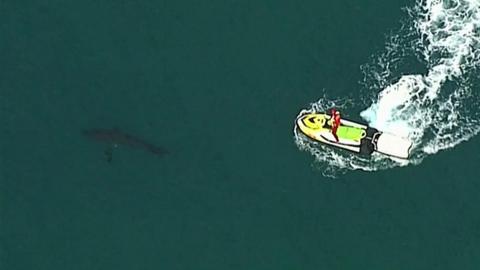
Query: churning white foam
436,109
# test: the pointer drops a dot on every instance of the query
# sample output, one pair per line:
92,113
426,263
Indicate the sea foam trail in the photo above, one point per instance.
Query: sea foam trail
437,109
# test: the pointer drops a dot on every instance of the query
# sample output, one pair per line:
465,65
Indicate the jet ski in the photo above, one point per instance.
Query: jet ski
352,136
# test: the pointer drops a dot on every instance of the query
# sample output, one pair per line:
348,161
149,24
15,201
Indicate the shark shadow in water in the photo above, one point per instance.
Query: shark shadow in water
115,137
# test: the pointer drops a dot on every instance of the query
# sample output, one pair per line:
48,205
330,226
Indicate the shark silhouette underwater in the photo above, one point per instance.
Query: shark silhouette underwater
115,137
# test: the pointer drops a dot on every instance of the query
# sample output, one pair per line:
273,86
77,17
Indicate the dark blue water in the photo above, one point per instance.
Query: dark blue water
218,85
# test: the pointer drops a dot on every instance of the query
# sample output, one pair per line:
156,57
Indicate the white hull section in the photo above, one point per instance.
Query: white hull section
392,145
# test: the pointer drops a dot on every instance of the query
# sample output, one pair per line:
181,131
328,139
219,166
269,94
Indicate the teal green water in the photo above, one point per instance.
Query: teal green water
218,84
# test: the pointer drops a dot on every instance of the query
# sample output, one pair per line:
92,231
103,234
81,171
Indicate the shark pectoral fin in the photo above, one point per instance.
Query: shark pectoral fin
108,154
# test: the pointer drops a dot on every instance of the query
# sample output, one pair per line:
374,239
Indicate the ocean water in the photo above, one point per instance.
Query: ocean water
422,86
218,86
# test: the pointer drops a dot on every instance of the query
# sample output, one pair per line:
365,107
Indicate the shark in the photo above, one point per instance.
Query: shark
114,137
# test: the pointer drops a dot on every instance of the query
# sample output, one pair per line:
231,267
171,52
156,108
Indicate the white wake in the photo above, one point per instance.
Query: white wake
437,109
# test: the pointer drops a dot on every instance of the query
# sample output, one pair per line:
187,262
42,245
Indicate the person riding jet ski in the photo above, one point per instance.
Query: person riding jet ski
335,120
